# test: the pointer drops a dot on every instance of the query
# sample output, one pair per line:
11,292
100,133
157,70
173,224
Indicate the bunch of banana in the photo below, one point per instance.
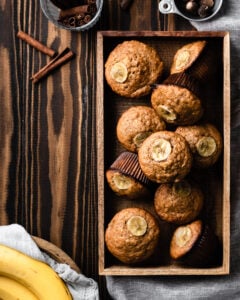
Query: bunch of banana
11,289
25,278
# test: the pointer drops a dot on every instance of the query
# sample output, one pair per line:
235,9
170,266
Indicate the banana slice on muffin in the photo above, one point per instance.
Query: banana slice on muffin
132,235
205,142
177,100
186,56
126,178
198,59
165,157
136,124
196,245
132,67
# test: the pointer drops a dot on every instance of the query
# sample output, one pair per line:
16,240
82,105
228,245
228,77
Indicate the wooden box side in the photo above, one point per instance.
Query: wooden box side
227,141
100,151
103,218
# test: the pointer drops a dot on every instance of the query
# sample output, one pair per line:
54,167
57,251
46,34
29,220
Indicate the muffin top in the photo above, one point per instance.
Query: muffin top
165,157
186,56
205,142
132,235
176,105
132,67
184,238
137,123
126,178
178,203
126,185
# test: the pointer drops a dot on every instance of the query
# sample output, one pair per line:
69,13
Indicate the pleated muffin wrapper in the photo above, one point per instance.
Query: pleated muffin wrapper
186,81
203,64
205,67
206,252
127,163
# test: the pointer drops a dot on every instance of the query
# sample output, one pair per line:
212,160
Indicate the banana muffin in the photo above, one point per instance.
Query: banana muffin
126,178
137,123
132,67
196,245
179,202
165,157
185,56
205,142
176,100
132,235
198,59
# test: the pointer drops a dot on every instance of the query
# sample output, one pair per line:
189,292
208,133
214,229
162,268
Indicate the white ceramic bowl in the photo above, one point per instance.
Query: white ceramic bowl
52,13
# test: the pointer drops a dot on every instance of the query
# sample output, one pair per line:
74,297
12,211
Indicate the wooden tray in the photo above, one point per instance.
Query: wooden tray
216,180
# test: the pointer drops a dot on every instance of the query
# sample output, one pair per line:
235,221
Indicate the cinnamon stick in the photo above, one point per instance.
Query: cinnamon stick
74,11
59,60
36,44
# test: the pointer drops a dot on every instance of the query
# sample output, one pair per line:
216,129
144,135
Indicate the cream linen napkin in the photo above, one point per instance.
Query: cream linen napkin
81,287
203,287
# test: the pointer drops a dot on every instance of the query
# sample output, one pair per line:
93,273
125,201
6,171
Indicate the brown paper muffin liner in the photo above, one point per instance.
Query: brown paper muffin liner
206,252
204,67
127,163
184,80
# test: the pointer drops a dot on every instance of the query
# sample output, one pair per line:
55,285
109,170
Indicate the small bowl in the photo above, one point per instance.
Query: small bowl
174,6
52,13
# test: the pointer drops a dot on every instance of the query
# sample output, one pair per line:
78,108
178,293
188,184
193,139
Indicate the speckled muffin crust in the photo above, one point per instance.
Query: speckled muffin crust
178,203
132,235
184,238
165,157
176,105
186,56
198,59
205,142
196,245
136,124
132,67
126,178
125,185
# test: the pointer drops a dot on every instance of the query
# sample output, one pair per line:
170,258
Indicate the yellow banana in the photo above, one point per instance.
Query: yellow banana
13,290
35,275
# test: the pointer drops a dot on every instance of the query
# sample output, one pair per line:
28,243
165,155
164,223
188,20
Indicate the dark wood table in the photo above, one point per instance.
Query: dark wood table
48,178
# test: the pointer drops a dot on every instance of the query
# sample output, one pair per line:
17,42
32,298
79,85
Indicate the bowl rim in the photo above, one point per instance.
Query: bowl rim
78,28
55,252
170,6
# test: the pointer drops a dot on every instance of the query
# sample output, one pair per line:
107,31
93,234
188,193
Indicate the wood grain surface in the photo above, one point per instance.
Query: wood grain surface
48,178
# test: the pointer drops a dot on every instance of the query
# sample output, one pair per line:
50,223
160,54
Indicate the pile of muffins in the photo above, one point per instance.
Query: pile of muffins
163,141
